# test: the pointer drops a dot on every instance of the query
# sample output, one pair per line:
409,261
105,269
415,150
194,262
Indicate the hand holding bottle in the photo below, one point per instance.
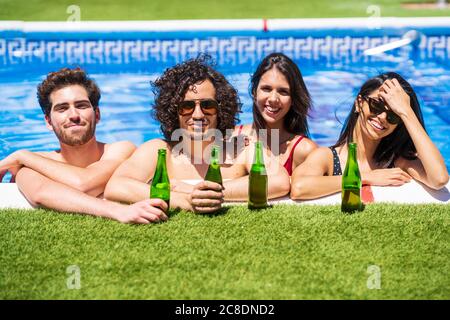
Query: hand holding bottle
206,197
142,212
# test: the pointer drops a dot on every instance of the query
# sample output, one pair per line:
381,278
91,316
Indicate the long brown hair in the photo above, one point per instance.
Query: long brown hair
295,120
398,143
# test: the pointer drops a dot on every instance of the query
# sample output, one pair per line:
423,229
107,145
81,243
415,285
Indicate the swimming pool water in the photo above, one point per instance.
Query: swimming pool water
126,96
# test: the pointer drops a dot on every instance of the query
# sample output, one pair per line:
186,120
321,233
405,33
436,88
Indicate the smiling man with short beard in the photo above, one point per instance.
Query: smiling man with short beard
73,178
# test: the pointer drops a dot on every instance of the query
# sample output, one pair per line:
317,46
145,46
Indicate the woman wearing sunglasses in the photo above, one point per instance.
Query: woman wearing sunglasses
281,103
393,147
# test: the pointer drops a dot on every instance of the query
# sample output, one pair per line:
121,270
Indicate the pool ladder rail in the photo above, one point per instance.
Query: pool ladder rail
411,37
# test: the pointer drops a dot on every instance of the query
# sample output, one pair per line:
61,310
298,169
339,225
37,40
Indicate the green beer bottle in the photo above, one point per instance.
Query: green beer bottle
213,174
160,184
257,184
351,183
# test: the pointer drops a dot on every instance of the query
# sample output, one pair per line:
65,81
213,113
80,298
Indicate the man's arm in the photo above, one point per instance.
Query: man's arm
129,182
277,185
44,192
91,180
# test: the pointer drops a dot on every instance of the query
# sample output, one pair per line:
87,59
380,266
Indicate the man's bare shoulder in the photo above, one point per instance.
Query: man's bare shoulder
117,151
54,155
155,144
150,147
119,146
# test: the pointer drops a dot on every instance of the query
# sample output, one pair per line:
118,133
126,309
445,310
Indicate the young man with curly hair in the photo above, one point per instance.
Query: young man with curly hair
72,178
195,106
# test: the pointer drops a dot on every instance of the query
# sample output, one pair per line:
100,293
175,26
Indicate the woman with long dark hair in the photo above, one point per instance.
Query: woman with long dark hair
281,103
393,147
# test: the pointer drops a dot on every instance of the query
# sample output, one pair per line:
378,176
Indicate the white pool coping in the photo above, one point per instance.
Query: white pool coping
410,193
225,24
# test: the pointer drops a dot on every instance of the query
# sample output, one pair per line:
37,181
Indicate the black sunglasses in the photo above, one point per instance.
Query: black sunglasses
209,107
377,107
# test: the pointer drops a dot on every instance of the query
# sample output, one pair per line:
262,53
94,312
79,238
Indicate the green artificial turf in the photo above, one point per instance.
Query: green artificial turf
43,10
285,252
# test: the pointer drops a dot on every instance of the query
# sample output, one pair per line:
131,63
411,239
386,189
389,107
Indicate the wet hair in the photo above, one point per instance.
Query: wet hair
398,143
170,90
63,78
295,121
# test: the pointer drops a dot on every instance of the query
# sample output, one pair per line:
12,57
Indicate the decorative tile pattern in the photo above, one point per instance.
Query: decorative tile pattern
228,51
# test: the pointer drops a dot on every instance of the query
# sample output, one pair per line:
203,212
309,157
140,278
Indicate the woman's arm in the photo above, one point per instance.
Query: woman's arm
310,180
302,151
277,186
431,169
277,179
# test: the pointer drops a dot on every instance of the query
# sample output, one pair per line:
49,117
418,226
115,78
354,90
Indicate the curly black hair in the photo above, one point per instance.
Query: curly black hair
171,87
